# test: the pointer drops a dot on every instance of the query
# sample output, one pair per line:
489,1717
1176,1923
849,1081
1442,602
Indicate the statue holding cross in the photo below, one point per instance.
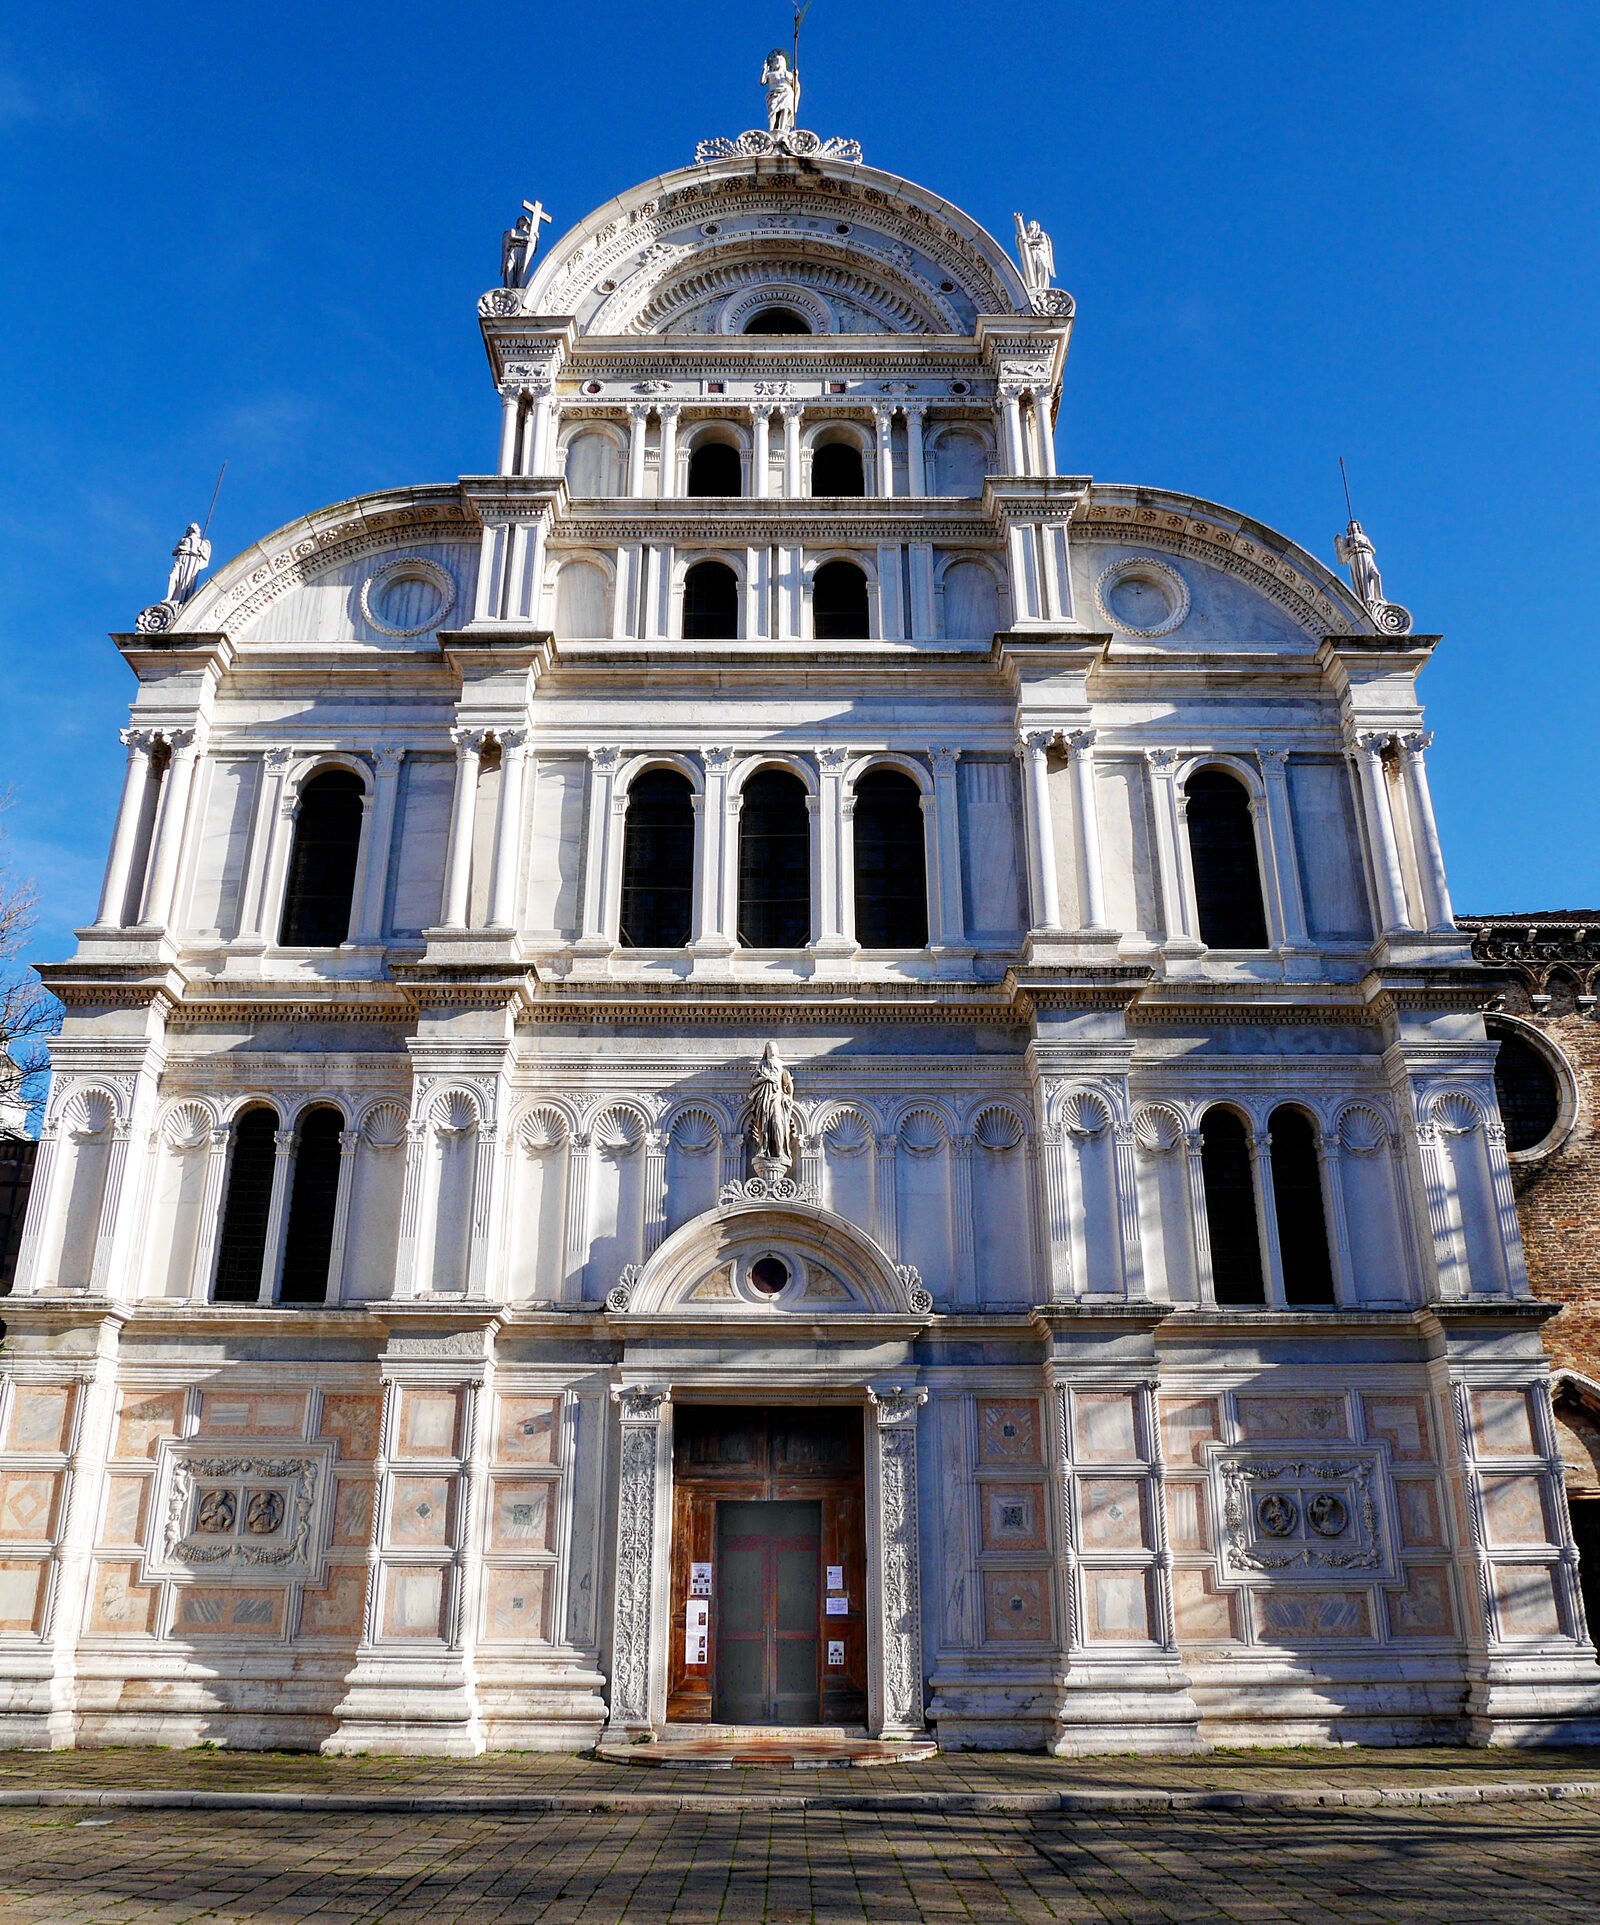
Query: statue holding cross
520,243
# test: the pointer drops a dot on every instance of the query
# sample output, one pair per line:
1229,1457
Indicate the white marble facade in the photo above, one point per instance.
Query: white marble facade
429,1507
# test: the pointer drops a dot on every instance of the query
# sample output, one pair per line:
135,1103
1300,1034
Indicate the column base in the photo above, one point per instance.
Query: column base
415,1708
1547,1700
1134,1706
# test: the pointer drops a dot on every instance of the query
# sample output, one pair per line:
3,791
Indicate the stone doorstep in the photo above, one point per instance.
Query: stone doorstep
773,1748
515,1805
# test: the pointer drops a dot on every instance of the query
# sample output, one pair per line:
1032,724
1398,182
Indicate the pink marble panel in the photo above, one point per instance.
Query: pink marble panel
1188,1424
144,1420
1417,1501
413,1605
1263,1418
1502,1423
21,1592
1514,1510
1008,1430
516,1603
1526,1596
353,1421
427,1423
1426,1606
28,1505
1188,1514
1284,1616
213,1611
335,1610
120,1603
1118,1606
125,1512
41,1418
529,1430
1016,1606
1403,1423
1203,1614
1106,1431
1111,1512
420,1512
1013,1516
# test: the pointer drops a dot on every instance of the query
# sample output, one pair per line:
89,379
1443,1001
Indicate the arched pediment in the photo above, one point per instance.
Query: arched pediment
886,255
760,1258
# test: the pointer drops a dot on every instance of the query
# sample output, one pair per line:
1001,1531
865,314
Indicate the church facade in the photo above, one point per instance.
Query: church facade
777,1067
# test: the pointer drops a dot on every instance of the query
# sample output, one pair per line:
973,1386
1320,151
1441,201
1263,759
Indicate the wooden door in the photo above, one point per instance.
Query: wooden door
769,1567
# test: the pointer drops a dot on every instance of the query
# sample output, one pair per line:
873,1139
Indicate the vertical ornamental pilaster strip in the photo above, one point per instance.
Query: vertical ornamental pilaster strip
1284,866
1267,1214
264,839
895,1411
916,458
1060,1170
961,1211
886,1148
167,839
1195,1172
643,1498
949,919
105,1240
1091,876
205,1254
596,882
1043,890
368,919
349,1144
1166,1628
655,1190
1393,915
463,817
277,1213
416,1177
508,830
1125,1147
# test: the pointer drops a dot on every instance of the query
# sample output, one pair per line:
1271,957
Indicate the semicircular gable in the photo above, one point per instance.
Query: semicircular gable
893,234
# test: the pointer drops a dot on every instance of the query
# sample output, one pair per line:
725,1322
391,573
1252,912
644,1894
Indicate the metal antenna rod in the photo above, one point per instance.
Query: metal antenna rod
1346,480
214,493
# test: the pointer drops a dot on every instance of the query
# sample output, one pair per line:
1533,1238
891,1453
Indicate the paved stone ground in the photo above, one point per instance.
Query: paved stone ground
534,1774
1521,1862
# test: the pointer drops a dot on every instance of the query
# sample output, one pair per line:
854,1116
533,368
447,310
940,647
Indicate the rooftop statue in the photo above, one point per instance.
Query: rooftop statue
1036,253
519,244
783,93
192,554
1354,548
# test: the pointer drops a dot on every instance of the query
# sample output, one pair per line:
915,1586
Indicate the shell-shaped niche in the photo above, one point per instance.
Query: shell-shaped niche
922,1132
541,1131
1362,1130
695,1132
186,1126
848,1133
619,1130
998,1128
1157,1129
384,1125
1456,1114
454,1112
90,1112
1083,1113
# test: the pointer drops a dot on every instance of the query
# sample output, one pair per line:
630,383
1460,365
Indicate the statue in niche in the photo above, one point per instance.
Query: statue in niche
1354,548
519,243
783,92
1036,253
188,558
772,1118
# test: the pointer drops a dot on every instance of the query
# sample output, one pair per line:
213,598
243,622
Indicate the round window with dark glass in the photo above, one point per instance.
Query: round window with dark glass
1530,1095
769,1275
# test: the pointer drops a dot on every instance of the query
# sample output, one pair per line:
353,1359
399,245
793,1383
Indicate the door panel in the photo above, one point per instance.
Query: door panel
766,1609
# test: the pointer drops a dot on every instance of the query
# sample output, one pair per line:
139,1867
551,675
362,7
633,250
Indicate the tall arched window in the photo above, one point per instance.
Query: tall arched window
774,862
714,470
839,606
1222,853
658,861
1525,1083
1297,1204
322,862
891,866
837,469
242,1242
710,603
1231,1208
313,1202
777,320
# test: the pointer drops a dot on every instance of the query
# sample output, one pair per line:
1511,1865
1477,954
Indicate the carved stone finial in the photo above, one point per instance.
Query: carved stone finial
782,133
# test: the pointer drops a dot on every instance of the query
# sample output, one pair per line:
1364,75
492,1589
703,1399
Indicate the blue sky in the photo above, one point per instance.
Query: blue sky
258,232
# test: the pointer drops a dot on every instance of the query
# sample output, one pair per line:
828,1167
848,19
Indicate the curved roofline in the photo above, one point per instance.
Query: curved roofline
758,174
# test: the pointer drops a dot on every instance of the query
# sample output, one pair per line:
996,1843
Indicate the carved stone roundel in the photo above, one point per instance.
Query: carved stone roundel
410,595
1143,596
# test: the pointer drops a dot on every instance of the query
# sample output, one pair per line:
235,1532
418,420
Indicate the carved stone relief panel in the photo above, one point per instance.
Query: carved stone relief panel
1304,1514
250,1517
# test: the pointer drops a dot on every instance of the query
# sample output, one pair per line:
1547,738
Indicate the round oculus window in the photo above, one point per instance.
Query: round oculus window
409,596
769,1275
1143,596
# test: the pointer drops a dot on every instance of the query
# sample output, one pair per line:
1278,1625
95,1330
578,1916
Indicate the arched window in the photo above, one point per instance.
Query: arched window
594,464
1230,1208
839,608
658,861
322,863
710,603
242,1243
777,320
313,1201
714,470
837,469
583,597
1297,1204
1530,1095
774,862
1222,852
891,868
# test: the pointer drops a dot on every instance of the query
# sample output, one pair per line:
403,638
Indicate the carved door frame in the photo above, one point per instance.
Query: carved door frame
641,1608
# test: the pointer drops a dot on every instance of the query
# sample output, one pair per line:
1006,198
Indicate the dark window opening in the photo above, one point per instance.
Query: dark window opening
837,469
710,603
313,1202
1230,1208
774,862
1222,850
714,470
1297,1204
769,1275
891,867
1530,1096
322,863
242,1244
658,861
839,603
777,320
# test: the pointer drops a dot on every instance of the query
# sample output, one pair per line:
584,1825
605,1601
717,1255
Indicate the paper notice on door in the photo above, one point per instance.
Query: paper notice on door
694,1647
696,1631
836,1650
699,1580
835,1577
838,1607
698,1613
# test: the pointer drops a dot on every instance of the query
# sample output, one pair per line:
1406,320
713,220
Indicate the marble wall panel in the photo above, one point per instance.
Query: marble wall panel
1403,1423
1502,1423
257,1414
335,1610
1297,1418
413,1603
1008,1431
1016,1607
144,1419
1117,1605
21,1592
125,1514
1111,1510
523,1514
1202,1613
1012,1516
1105,1425
516,1603
41,1418
205,1610
120,1604
428,1421
1284,1617
221,845
1417,1513
1188,1424
528,1430
419,1515
352,1511
1514,1509
1189,1515
28,1504
422,828
1526,1600
352,1420
1425,1608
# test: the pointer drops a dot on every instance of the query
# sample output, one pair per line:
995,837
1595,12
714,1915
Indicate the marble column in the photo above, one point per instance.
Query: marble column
510,422
541,419
1043,890
508,830
349,1144
1267,1216
1011,423
1091,879
897,1618
367,922
277,1212
640,1609
760,429
713,854
916,456
124,842
218,1143
264,839
1394,917
596,878
1178,915
1199,1222
463,818
638,432
791,412
167,837
883,432
835,895
1044,431
668,480
1425,832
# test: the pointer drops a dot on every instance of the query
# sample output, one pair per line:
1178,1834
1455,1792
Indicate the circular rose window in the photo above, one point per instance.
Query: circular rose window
411,596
